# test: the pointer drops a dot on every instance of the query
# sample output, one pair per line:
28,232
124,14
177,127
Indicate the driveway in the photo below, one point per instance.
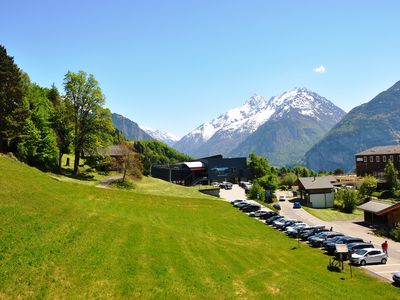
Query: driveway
348,227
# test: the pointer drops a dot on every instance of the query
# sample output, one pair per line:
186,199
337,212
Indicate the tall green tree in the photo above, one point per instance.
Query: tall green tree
258,165
391,175
92,123
61,123
14,109
368,185
37,145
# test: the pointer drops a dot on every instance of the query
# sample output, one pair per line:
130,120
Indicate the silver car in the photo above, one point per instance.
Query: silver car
369,256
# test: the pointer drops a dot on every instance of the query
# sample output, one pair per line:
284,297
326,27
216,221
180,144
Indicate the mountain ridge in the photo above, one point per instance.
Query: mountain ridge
230,133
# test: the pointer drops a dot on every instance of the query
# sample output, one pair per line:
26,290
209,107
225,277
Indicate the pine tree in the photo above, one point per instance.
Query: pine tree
14,108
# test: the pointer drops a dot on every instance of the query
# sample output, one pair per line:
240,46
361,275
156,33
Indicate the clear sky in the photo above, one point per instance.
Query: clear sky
173,65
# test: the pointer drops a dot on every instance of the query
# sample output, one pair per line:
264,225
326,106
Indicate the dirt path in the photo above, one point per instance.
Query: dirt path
106,181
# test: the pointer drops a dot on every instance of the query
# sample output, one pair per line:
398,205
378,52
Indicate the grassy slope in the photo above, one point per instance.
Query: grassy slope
63,240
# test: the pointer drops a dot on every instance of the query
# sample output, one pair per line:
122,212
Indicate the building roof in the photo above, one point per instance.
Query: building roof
113,150
378,207
381,150
317,182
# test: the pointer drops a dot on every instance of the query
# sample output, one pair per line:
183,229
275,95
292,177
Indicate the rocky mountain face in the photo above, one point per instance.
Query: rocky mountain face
226,132
283,128
159,135
130,129
376,123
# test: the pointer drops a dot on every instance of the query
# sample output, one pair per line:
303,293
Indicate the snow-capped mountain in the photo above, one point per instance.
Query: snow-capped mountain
229,134
159,135
235,123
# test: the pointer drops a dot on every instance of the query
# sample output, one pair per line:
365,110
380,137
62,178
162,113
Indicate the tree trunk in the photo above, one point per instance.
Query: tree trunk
76,161
60,155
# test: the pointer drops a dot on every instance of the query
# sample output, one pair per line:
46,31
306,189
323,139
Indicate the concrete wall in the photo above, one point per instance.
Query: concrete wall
322,200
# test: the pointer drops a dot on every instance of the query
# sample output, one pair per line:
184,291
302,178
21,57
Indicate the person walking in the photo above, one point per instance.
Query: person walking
385,247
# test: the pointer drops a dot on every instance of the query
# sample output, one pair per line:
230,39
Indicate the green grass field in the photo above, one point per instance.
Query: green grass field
66,240
330,214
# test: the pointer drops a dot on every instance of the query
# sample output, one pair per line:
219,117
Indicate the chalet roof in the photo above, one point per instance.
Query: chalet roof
318,182
382,150
113,150
378,207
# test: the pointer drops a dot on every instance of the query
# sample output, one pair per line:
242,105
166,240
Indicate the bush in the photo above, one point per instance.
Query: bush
395,232
386,194
257,191
376,194
347,200
101,163
126,185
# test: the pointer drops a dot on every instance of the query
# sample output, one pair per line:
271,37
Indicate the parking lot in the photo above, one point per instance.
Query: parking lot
350,227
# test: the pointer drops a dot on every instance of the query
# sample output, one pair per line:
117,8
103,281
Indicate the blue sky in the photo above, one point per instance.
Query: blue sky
173,65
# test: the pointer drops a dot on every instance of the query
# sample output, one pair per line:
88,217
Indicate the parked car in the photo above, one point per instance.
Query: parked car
268,215
354,247
293,231
310,232
216,184
279,222
368,256
225,185
241,204
258,213
272,219
251,208
236,201
296,205
331,247
396,277
318,240
276,206
282,198
287,223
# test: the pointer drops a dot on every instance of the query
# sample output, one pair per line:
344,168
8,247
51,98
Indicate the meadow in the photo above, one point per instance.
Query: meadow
68,240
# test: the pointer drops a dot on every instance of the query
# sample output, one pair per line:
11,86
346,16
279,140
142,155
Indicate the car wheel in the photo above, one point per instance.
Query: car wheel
383,261
363,263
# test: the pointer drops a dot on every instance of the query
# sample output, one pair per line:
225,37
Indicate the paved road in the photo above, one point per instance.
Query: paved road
349,227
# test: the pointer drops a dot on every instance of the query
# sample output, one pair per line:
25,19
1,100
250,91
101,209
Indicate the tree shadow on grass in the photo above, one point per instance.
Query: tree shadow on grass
85,175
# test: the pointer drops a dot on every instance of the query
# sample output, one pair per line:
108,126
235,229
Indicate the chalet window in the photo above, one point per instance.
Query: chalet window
384,158
371,159
378,158
365,159
391,157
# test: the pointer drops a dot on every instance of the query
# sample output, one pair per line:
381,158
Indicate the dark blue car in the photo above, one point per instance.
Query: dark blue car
296,205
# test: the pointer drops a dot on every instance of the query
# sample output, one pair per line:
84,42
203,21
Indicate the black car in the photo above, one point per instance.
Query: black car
268,215
317,241
308,233
272,219
251,208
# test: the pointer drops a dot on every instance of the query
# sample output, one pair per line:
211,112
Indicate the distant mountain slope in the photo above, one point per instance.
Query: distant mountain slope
160,135
130,129
376,123
224,133
301,119
283,128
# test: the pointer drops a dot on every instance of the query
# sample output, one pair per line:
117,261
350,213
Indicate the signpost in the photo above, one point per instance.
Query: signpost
341,248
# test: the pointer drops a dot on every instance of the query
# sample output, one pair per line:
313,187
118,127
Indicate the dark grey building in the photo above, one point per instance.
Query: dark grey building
207,169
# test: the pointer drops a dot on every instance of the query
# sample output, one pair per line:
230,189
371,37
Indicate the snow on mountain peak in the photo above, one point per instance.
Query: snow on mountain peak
160,135
246,119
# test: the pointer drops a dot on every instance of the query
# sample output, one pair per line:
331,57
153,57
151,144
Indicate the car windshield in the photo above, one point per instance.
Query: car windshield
361,251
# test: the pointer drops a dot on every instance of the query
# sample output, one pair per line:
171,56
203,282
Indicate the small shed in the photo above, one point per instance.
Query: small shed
317,191
381,213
